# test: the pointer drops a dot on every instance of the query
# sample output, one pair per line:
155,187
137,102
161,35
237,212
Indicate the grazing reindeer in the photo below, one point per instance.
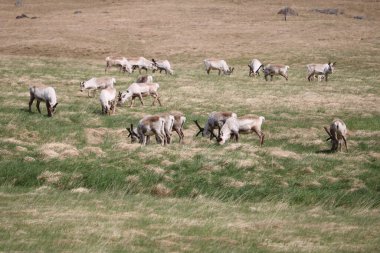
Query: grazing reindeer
163,65
320,70
254,67
140,90
219,65
119,62
141,63
337,133
46,94
246,124
107,100
215,120
148,126
177,126
97,84
276,69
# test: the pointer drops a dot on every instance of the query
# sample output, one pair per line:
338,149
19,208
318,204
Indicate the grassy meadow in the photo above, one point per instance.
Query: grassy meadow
75,182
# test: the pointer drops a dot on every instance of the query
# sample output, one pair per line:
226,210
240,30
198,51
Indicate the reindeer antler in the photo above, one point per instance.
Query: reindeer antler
328,132
200,128
214,136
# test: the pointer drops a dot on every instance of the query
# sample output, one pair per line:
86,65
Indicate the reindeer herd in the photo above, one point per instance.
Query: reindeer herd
161,126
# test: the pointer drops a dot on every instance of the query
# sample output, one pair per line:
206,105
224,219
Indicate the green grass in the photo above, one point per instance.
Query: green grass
293,168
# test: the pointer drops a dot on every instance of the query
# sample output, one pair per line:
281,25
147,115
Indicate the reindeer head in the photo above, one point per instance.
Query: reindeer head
330,69
223,137
81,86
123,96
229,71
51,109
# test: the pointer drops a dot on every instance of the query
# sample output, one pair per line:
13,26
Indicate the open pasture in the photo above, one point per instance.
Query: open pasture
74,182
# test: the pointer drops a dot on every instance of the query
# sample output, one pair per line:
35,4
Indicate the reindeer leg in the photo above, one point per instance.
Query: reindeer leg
141,100
309,77
158,99
260,134
48,107
345,142
38,105
179,134
285,76
132,102
30,103
208,71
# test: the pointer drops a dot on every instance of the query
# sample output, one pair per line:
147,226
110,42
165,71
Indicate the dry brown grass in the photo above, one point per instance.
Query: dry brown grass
197,28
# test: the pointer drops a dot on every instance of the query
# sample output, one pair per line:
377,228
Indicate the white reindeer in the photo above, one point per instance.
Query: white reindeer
140,90
145,79
141,63
163,65
215,120
219,65
119,62
319,70
246,124
254,67
107,100
151,125
95,83
337,133
170,126
179,121
42,93
276,69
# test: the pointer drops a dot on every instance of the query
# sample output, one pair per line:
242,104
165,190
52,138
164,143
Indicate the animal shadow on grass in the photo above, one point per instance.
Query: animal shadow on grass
325,151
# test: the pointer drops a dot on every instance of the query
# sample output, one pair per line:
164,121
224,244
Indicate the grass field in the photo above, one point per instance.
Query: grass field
75,182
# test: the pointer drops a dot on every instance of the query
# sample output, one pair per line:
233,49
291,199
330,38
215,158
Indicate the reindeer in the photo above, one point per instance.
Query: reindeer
119,62
148,126
246,124
215,120
254,67
219,65
276,69
177,126
337,133
140,90
320,70
107,100
163,65
94,84
42,93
